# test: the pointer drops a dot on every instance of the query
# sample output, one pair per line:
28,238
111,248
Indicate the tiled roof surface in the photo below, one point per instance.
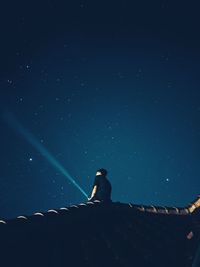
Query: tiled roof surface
98,234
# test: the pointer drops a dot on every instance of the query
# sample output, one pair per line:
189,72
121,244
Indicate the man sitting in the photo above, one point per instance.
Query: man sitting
101,187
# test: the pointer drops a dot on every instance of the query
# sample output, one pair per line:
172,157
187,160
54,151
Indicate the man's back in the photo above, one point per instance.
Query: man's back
104,188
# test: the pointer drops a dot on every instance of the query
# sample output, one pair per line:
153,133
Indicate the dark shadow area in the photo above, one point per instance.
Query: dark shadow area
98,234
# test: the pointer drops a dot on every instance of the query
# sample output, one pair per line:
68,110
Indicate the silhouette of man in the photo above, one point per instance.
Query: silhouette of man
101,187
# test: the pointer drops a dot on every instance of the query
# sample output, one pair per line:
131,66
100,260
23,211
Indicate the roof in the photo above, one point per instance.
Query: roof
99,234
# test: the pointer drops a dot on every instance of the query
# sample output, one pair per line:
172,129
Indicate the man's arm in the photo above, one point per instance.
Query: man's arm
93,192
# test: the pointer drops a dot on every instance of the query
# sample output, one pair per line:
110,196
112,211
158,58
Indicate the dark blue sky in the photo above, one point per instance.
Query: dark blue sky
111,84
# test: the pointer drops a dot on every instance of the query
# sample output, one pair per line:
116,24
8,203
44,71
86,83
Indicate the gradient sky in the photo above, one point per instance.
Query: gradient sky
112,84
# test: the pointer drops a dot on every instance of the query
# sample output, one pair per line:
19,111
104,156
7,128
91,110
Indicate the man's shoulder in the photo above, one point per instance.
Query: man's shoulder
96,180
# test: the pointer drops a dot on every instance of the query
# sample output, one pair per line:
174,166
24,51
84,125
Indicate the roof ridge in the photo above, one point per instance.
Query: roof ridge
194,205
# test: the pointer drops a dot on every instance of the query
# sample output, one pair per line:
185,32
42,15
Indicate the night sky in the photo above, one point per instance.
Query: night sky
101,84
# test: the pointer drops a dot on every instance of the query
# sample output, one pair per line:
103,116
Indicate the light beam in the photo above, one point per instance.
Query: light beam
30,138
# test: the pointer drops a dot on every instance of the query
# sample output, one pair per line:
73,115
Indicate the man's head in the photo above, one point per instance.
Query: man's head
101,172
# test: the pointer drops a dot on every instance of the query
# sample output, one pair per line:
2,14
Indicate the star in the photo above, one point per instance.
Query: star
30,159
167,179
82,84
20,99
